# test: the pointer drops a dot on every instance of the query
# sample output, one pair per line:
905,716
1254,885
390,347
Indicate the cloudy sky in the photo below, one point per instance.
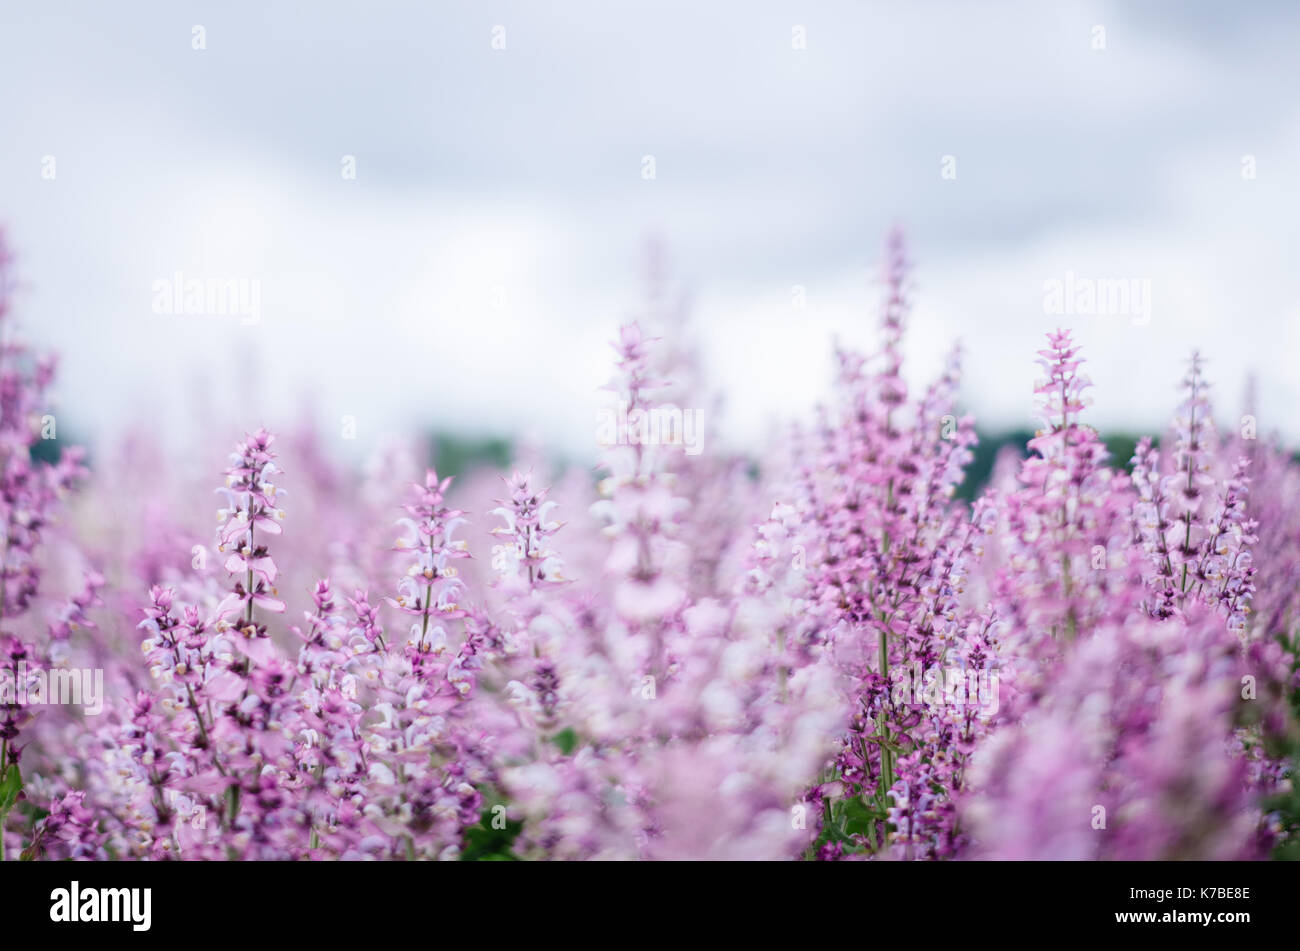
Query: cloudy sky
472,272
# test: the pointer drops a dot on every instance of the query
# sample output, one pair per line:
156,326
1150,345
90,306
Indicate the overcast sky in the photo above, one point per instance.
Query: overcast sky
473,271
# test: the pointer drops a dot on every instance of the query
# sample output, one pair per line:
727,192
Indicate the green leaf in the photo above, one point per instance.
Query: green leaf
486,844
11,786
848,817
857,816
566,740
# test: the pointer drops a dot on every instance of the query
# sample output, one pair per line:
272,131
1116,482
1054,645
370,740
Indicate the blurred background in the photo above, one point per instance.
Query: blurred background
435,215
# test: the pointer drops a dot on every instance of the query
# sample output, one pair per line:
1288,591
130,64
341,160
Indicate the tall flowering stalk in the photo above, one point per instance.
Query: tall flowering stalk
251,508
425,761
431,584
1194,520
30,491
889,551
1066,538
647,560
253,723
529,566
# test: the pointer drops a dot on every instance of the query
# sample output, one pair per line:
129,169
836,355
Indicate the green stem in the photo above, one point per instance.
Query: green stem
882,725
886,754
4,815
1187,518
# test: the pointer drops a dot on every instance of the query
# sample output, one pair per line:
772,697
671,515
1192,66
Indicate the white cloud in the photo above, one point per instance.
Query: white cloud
472,274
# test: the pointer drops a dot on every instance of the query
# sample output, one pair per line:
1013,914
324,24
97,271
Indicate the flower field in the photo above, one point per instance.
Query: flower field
820,653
